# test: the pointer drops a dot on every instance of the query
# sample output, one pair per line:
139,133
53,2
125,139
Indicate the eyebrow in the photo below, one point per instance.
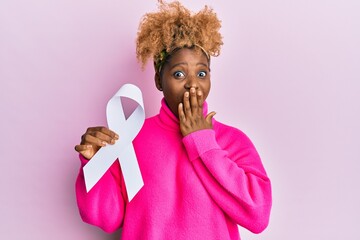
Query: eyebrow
184,63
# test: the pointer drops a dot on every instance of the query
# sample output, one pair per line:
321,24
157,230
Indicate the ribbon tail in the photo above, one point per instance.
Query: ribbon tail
132,175
98,165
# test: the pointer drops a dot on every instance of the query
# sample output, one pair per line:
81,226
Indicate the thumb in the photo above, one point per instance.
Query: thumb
209,117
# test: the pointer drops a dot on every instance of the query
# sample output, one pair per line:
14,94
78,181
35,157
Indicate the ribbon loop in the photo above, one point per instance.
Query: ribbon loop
123,150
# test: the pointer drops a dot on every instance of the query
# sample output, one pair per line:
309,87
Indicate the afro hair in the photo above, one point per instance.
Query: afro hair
174,27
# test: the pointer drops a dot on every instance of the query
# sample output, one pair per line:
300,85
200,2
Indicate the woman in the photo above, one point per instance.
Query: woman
201,177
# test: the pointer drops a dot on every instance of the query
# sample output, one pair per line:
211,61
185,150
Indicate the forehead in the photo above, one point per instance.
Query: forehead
188,55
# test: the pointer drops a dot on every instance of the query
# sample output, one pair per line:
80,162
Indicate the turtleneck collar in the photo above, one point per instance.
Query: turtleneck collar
169,120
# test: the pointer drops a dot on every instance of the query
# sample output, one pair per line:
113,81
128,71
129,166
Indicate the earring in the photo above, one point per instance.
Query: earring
160,89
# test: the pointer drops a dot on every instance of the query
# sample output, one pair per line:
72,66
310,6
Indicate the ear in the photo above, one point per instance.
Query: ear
158,81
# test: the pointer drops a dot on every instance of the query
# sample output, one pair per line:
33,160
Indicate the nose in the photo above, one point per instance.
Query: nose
191,83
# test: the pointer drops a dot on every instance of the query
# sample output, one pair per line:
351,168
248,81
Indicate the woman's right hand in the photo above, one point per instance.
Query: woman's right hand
93,139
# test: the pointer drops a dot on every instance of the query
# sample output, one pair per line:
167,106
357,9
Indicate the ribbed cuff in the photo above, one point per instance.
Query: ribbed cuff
83,160
200,142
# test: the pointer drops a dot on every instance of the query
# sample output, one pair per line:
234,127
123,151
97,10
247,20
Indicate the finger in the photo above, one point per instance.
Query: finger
89,139
80,148
193,101
187,108
85,150
104,130
200,98
103,137
209,117
181,113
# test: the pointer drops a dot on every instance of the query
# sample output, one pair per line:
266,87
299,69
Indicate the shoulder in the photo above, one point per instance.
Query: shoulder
226,133
151,120
149,123
149,127
237,144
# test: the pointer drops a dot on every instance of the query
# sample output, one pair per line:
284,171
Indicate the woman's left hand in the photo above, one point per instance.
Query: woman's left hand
191,115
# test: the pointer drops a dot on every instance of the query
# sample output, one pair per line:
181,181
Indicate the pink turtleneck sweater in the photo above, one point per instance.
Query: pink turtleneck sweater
195,187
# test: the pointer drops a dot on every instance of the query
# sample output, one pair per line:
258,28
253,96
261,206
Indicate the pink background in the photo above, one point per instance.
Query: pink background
288,76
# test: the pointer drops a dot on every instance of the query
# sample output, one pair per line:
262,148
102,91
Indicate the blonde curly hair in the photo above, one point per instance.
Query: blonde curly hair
174,27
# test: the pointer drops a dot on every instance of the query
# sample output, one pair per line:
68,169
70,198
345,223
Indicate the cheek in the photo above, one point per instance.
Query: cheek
175,89
174,95
206,88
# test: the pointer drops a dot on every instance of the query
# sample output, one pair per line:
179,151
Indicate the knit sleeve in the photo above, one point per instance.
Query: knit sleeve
235,178
104,204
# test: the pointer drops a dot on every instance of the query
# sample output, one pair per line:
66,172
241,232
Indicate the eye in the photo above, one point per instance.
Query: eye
179,74
202,74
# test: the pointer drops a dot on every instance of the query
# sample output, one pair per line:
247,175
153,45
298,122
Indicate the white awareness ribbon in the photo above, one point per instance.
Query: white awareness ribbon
127,129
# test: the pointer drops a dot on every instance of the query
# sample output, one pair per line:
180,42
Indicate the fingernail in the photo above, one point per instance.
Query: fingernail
116,136
192,90
199,93
186,94
103,143
112,141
